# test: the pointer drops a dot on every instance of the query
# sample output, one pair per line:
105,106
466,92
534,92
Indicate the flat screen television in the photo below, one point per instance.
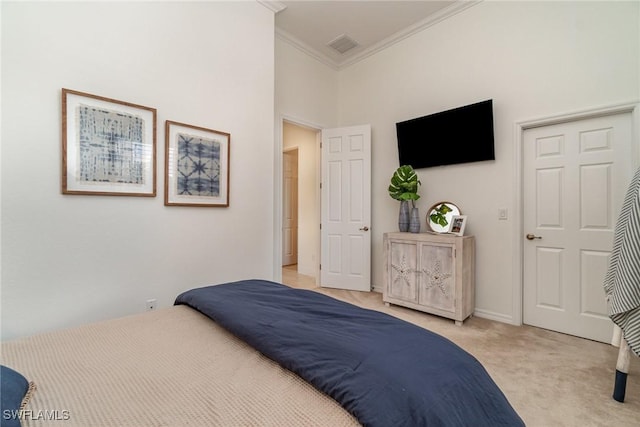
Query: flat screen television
459,135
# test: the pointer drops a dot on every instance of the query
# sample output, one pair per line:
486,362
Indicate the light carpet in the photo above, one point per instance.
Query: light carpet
550,379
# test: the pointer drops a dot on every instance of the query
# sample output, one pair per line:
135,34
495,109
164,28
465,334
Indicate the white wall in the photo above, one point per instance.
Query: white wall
308,195
67,260
306,94
533,59
306,90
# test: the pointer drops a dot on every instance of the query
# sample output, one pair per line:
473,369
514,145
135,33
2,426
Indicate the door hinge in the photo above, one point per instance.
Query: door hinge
320,226
321,186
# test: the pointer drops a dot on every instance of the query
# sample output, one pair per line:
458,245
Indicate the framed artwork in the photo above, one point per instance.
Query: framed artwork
196,166
108,146
458,223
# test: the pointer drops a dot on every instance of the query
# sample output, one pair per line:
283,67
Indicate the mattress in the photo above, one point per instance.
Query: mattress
169,367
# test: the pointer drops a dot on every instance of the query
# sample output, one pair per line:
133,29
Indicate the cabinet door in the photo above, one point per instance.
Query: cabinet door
402,271
437,277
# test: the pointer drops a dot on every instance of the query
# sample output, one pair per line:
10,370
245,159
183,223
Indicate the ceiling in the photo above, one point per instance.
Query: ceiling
373,25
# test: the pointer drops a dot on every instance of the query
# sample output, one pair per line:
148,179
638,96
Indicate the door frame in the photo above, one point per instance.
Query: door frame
518,228
277,192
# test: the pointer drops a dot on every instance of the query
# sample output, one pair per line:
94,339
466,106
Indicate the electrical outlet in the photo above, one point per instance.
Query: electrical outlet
151,304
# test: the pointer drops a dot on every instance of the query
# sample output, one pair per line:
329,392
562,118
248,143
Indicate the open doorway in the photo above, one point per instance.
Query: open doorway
301,200
290,207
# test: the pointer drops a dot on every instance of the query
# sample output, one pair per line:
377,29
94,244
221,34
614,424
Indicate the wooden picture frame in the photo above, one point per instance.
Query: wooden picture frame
108,146
458,224
196,166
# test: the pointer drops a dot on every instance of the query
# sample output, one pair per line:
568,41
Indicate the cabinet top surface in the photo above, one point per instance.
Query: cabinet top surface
424,235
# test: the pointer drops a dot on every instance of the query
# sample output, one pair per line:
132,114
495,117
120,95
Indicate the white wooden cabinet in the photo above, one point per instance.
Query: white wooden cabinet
434,273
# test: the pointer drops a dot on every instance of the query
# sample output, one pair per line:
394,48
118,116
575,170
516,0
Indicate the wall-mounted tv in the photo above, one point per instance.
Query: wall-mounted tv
460,135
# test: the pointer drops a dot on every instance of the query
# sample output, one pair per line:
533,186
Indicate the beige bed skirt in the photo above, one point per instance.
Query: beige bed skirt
170,367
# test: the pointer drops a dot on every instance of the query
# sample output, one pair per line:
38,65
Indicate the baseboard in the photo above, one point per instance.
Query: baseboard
498,317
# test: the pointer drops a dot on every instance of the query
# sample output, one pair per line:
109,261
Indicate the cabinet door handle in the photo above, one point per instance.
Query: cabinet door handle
365,228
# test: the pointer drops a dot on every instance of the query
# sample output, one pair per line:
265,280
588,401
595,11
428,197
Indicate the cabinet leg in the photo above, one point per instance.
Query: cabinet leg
386,304
458,322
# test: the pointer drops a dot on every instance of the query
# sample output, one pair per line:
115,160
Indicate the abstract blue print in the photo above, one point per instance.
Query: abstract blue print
198,166
111,146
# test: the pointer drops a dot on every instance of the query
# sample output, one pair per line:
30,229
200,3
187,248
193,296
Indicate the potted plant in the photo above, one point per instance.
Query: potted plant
404,187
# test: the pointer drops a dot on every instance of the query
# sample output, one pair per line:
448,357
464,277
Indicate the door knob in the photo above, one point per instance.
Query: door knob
532,236
365,228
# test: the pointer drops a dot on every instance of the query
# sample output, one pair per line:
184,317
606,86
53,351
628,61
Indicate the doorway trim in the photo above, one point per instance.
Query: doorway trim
519,129
278,181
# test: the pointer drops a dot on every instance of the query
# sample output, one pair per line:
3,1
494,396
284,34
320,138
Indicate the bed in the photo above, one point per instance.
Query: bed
254,353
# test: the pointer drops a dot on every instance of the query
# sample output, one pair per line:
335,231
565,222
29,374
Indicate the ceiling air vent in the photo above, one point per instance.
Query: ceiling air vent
343,43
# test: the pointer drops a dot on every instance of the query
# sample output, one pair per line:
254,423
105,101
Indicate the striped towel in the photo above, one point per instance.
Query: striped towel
622,281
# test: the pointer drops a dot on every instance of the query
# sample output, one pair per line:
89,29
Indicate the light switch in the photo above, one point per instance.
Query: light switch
503,213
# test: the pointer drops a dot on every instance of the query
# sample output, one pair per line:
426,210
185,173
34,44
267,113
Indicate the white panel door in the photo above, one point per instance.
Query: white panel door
290,208
575,176
345,260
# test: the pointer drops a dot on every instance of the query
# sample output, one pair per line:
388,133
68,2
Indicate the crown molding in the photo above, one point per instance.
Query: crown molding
274,6
300,45
418,27
437,17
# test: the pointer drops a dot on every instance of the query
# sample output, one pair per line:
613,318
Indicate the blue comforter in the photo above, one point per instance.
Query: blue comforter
383,370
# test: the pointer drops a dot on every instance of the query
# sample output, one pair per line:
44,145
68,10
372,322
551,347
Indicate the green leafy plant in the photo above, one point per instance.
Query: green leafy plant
438,217
404,184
